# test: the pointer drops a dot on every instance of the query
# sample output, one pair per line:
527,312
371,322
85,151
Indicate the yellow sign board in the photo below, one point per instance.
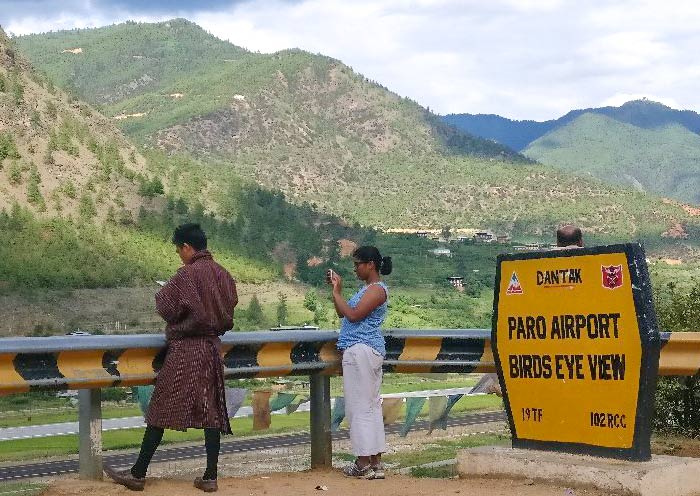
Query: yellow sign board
576,346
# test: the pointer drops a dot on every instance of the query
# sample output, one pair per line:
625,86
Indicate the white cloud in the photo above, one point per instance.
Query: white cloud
526,59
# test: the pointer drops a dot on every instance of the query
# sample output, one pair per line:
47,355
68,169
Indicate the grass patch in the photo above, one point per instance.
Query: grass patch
446,472
69,414
29,449
344,456
443,450
21,488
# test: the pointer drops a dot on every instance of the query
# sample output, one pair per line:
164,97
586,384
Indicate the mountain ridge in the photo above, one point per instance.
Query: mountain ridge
313,128
517,134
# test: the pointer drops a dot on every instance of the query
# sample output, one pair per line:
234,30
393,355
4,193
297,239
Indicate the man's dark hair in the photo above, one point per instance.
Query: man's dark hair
191,234
569,236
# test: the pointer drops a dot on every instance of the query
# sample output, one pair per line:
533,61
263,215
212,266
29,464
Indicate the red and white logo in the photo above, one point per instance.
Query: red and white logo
612,276
514,286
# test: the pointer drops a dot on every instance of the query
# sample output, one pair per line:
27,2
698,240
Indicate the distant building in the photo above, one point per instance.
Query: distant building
441,252
305,327
456,281
464,239
503,239
483,236
422,234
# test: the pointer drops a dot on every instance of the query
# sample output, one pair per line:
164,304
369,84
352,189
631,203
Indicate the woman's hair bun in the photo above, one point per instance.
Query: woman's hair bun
386,266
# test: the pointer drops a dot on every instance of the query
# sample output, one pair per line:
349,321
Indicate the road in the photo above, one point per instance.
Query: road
46,469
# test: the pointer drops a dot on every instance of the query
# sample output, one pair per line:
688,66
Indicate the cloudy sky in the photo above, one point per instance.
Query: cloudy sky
524,59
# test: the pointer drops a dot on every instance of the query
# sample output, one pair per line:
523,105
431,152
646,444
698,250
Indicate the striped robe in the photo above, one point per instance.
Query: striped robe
197,305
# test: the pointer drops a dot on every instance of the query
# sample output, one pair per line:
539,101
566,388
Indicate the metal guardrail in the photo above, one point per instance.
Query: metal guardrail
89,363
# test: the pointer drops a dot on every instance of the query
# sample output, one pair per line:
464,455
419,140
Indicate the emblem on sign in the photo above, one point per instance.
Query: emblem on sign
514,286
612,276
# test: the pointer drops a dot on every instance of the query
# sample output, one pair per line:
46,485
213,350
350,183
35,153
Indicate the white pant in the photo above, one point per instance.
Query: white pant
362,378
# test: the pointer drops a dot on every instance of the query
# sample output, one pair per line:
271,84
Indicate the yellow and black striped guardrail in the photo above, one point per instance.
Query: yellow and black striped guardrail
89,362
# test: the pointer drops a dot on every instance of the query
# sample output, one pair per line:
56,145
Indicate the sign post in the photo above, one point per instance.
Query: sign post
576,346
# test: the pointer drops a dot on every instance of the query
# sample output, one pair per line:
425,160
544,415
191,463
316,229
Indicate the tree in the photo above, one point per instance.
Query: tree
320,314
18,92
446,233
14,173
8,149
282,309
86,207
151,188
254,311
311,300
33,192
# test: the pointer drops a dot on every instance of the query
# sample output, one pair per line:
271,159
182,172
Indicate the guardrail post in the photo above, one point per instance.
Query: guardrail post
90,424
321,442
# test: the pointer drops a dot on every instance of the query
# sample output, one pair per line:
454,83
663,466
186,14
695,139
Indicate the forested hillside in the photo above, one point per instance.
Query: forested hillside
663,160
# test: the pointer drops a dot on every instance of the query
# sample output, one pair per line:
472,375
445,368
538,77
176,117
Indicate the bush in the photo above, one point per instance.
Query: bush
18,92
114,394
151,188
69,189
33,192
14,173
51,110
8,149
87,208
677,401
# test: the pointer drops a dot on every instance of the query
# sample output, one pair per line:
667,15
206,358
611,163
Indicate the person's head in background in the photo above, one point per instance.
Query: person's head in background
369,263
569,235
188,240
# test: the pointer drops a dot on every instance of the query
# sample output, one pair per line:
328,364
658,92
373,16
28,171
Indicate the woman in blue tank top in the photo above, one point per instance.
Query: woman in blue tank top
361,343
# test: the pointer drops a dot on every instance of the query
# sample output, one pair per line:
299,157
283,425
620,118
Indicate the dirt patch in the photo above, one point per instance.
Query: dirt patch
677,231
672,261
121,117
676,446
289,270
305,483
691,210
346,247
314,261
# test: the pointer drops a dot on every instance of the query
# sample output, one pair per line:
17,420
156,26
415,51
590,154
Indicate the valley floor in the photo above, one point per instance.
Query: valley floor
110,310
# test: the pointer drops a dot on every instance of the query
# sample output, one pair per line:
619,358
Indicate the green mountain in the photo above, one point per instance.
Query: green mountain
663,160
81,206
519,134
60,156
311,127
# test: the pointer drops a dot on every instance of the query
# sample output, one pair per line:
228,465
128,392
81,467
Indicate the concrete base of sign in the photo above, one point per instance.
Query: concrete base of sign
662,476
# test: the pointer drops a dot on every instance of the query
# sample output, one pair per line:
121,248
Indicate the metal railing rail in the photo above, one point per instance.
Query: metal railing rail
89,363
